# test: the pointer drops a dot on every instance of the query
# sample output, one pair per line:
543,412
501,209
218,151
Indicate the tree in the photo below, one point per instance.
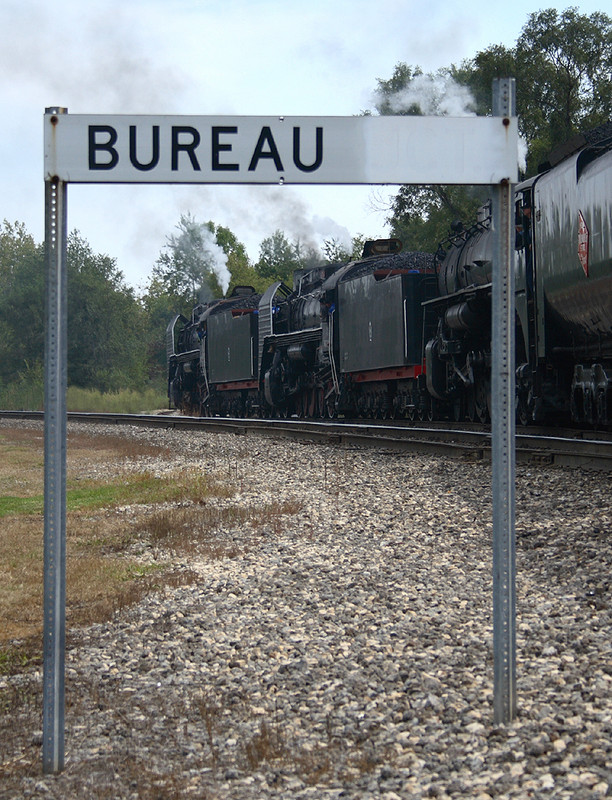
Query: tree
562,63
22,282
335,252
194,265
106,341
278,258
421,215
240,268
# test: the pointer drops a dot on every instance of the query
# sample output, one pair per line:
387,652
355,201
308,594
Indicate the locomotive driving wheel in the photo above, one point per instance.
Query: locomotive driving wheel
330,403
470,404
321,405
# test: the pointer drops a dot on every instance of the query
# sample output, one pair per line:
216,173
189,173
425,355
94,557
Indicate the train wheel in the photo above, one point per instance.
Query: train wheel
470,405
482,399
458,410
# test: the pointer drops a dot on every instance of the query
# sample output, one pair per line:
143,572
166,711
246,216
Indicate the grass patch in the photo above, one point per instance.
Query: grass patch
123,532
136,488
196,529
27,394
126,401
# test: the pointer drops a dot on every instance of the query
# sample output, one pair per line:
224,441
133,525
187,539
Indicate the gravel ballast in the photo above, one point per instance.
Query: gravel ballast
345,651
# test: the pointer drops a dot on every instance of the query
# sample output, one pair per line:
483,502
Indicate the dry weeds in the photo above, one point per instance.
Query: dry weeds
114,554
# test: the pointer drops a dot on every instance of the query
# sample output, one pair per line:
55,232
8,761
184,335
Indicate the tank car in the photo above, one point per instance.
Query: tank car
563,274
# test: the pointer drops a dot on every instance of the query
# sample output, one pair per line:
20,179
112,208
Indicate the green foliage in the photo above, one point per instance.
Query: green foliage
22,286
279,258
562,62
241,270
25,390
193,265
422,215
335,252
136,488
106,348
106,344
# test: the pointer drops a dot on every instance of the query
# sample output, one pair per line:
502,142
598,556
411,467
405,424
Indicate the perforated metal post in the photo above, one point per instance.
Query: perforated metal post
503,434
54,626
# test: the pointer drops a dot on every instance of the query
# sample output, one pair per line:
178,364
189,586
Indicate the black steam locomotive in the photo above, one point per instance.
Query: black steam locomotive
563,274
409,334
347,338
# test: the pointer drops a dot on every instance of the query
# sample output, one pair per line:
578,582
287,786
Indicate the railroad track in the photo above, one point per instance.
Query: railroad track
585,449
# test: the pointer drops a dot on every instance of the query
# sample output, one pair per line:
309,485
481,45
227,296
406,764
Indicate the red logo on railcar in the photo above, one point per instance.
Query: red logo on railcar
583,243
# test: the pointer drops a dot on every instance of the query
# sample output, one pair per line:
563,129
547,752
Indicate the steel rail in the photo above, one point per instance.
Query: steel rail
583,449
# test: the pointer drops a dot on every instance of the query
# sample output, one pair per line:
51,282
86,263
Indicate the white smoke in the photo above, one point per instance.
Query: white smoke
266,209
434,95
196,249
440,96
523,150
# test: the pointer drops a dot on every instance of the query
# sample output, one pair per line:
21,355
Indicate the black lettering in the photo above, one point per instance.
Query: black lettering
319,151
186,147
265,137
217,147
105,147
155,148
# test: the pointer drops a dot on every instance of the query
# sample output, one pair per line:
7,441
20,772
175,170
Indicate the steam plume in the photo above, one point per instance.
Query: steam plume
433,95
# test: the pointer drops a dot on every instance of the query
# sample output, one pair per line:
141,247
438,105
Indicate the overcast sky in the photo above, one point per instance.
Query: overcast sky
210,57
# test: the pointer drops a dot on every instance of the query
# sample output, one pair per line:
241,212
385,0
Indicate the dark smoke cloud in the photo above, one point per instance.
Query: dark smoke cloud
115,71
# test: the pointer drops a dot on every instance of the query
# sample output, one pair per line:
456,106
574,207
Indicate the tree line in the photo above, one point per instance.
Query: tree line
116,338
562,63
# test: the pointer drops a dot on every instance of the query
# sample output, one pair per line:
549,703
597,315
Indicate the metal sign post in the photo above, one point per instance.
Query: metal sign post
503,434
54,589
277,150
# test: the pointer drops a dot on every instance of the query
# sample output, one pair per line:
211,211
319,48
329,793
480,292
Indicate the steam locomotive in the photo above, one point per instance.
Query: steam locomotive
409,334
347,338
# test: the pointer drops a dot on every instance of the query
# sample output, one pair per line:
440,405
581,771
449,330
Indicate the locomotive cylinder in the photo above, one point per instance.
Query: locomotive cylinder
461,317
299,352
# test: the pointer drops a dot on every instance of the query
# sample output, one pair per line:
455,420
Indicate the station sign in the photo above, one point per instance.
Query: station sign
271,150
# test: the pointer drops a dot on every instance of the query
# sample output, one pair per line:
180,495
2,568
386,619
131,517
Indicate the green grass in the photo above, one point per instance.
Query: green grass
127,401
139,488
29,397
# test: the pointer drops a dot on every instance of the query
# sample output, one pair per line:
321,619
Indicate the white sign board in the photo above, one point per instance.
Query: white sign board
296,150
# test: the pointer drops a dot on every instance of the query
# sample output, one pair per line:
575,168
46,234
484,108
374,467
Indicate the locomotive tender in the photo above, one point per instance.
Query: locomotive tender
409,334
